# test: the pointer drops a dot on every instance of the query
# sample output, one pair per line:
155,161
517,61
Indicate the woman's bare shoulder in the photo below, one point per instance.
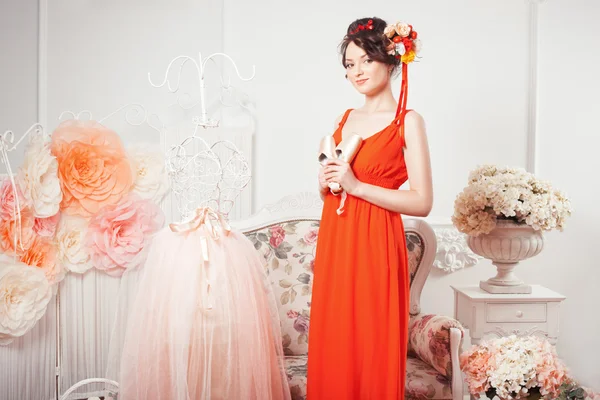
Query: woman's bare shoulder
414,125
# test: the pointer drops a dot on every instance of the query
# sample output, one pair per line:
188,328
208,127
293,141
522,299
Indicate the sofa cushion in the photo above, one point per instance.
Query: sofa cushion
429,340
289,249
422,381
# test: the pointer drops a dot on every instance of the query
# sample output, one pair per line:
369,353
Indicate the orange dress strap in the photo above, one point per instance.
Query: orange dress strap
345,117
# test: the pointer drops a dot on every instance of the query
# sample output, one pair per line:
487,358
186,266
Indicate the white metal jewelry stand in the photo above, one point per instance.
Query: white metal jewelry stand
204,174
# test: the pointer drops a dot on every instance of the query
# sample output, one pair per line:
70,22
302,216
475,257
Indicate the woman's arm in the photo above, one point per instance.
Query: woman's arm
418,200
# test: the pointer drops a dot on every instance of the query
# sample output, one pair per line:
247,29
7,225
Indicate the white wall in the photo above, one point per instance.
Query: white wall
568,155
18,68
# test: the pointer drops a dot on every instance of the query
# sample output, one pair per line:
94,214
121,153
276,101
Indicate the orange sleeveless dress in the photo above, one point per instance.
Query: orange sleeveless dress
359,313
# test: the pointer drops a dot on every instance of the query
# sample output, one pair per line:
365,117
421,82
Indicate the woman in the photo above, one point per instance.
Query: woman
360,303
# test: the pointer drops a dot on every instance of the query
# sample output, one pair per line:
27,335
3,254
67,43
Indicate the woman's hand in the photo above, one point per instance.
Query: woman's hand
323,184
339,171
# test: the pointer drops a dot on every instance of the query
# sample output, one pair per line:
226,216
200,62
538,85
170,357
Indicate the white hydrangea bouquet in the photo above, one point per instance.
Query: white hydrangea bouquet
508,193
515,367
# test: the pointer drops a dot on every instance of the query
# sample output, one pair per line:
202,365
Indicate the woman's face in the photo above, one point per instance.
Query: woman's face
366,75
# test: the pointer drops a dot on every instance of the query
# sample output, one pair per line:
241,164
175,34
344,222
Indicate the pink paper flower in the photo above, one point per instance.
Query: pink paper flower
119,235
8,200
46,227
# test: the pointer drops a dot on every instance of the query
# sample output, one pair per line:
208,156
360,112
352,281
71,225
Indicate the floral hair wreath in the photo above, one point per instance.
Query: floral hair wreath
404,43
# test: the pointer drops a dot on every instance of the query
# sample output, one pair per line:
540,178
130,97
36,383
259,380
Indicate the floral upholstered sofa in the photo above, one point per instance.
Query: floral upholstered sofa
285,234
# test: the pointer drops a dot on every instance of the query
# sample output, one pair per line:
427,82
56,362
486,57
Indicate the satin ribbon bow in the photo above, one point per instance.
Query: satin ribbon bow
345,151
210,220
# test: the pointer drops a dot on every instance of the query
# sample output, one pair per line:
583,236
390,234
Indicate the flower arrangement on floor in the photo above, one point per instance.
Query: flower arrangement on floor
508,193
80,200
519,367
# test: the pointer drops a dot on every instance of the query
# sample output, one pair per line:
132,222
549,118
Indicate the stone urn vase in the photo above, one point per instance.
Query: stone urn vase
508,244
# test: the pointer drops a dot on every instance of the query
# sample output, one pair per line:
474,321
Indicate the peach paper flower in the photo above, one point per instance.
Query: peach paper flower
24,234
42,254
93,167
119,235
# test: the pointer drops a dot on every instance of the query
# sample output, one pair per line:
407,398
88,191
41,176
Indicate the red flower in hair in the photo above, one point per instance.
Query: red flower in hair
362,27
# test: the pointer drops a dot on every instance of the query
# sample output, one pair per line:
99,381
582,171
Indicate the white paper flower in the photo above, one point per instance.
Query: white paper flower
72,253
151,179
38,178
24,296
400,49
402,29
390,31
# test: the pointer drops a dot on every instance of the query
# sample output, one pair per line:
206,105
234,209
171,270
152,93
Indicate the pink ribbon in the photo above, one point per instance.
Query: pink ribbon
210,220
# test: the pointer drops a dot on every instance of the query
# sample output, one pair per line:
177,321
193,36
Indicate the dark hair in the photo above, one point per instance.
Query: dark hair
372,41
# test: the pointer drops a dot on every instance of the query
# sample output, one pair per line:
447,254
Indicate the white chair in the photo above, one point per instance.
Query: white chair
110,391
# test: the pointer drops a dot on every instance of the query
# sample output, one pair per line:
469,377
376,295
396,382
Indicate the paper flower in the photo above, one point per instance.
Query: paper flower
151,181
38,178
93,168
42,254
403,29
8,200
119,235
408,57
25,296
72,252
16,236
400,49
46,227
390,31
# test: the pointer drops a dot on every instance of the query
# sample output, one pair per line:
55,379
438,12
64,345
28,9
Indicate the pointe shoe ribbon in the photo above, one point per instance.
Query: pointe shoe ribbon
345,151
211,220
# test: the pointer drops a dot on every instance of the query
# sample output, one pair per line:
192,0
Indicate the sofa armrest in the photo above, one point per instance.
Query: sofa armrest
429,340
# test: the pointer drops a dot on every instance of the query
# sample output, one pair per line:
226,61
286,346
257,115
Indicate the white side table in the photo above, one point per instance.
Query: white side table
487,315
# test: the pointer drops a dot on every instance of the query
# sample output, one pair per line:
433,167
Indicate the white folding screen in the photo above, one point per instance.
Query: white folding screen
27,365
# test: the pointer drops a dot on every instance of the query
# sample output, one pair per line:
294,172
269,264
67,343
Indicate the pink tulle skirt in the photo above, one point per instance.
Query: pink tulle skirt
202,330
